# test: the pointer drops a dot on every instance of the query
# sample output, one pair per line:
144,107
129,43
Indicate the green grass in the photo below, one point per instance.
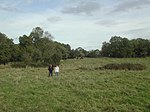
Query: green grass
80,88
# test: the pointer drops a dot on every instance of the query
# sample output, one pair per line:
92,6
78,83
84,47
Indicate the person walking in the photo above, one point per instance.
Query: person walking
50,68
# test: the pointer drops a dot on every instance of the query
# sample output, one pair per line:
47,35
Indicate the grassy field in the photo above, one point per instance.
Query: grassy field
79,88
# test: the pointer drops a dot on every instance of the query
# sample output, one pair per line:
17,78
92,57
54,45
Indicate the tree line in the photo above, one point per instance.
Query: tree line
119,47
38,48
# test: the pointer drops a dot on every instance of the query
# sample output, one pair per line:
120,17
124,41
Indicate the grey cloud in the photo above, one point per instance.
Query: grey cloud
108,23
139,32
129,5
9,9
54,19
83,7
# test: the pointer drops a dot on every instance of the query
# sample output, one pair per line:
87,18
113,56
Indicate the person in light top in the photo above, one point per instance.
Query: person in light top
57,70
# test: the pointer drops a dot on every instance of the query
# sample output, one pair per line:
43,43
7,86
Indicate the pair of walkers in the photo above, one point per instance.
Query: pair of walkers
51,68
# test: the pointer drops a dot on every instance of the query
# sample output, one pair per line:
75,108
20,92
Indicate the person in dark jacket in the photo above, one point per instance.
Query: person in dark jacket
50,68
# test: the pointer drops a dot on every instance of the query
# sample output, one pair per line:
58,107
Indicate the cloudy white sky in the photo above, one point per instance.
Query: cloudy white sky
80,23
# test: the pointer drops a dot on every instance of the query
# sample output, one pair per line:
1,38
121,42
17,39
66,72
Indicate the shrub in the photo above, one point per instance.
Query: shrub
124,66
84,68
99,68
18,65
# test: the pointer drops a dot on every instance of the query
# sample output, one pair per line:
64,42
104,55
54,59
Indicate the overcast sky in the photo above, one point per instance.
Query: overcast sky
80,23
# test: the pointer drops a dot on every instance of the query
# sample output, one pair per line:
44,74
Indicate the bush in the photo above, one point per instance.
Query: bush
83,68
98,68
124,66
31,64
18,65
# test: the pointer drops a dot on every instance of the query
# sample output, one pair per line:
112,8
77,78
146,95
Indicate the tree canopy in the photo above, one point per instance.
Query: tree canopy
5,48
39,48
119,47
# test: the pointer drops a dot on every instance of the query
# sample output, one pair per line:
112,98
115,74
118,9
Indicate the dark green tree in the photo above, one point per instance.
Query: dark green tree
27,48
105,52
141,47
122,47
94,53
63,49
6,46
80,52
16,53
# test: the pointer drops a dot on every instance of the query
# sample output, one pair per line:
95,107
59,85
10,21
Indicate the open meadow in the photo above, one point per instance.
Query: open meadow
79,88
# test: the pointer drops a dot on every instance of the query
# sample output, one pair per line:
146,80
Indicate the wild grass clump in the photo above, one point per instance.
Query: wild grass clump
124,66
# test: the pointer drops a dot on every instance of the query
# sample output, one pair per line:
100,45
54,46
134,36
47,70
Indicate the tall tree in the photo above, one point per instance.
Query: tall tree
94,53
105,52
26,47
36,33
140,47
16,53
6,46
80,52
